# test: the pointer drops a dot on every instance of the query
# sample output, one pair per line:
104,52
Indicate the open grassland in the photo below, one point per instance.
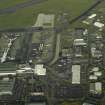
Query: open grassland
9,3
27,16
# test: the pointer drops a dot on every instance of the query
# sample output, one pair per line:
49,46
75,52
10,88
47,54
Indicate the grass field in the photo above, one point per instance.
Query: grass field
9,3
27,16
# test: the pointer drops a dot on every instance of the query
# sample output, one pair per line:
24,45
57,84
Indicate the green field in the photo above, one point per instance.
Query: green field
9,3
27,16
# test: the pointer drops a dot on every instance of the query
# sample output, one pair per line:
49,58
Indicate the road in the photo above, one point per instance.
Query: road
57,49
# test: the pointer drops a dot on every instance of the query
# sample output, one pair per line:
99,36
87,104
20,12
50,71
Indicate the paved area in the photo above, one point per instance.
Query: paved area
57,49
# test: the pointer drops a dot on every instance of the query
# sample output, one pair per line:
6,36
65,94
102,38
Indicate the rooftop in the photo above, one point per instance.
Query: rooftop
76,74
6,86
39,69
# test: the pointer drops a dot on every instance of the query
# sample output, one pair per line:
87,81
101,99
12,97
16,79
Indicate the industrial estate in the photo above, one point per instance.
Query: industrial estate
59,59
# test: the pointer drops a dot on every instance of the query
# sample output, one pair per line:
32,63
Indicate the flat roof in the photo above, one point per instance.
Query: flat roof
98,24
40,70
78,42
92,16
76,74
98,86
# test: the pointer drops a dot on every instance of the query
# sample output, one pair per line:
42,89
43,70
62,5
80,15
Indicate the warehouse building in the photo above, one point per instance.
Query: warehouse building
40,70
76,74
79,42
96,88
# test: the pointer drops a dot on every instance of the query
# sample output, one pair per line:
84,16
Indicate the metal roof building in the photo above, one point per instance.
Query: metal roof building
76,74
79,42
92,16
39,69
99,25
6,86
96,88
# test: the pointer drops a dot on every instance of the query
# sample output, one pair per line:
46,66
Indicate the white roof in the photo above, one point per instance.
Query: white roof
95,69
78,55
6,92
4,74
40,70
79,39
93,51
86,22
92,16
98,87
5,79
98,24
4,56
99,36
20,71
37,93
26,68
76,74
79,42
98,73
85,32
93,77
